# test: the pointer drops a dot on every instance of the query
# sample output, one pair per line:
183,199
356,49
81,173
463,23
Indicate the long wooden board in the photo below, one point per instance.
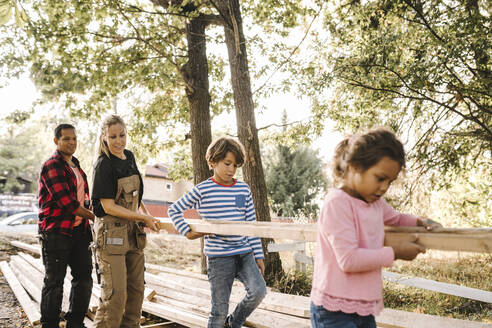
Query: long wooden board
25,301
441,287
448,239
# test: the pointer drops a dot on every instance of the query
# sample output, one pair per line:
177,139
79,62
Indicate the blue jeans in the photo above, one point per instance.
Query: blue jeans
322,318
221,273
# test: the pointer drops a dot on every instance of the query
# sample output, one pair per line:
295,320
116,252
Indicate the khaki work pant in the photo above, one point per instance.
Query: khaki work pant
121,260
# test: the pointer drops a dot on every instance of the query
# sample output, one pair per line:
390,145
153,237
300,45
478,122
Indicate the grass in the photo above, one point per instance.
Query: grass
466,270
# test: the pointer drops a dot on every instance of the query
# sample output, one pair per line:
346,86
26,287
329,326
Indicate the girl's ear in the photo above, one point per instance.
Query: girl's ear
211,165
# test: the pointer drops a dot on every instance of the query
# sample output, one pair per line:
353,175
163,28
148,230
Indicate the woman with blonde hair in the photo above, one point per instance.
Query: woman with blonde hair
120,238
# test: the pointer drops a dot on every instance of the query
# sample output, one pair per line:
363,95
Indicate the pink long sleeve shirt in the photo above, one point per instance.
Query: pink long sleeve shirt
350,253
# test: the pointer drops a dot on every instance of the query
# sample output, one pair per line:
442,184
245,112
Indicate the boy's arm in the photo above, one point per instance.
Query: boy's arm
254,242
176,212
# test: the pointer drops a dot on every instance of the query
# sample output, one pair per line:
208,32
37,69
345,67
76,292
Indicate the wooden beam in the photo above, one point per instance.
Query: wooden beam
467,292
182,317
290,247
481,243
31,284
25,301
278,302
28,247
258,229
448,239
259,318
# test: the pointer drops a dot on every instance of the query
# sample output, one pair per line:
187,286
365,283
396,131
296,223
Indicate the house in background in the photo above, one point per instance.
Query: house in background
160,191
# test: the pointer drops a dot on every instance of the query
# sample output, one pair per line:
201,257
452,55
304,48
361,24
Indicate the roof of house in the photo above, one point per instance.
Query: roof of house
157,170
159,209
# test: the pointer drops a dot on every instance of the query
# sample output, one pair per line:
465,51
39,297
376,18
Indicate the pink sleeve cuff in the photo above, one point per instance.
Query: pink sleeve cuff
388,256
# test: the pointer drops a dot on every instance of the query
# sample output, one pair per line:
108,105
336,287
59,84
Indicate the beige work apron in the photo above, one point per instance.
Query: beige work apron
120,244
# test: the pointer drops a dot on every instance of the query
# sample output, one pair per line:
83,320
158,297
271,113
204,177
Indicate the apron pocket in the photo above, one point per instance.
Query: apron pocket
140,236
116,239
107,279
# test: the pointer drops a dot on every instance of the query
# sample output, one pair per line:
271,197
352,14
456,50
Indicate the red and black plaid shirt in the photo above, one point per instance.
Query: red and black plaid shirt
57,195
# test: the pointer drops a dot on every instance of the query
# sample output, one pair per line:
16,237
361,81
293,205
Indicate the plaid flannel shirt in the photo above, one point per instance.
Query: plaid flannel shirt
57,195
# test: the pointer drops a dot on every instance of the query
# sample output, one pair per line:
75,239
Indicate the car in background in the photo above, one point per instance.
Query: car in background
20,222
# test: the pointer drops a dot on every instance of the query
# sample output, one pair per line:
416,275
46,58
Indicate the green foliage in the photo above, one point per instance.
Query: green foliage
417,66
85,54
421,68
7,7
21,155
294,179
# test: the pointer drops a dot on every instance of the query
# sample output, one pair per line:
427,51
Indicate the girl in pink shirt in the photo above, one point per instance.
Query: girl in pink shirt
347,285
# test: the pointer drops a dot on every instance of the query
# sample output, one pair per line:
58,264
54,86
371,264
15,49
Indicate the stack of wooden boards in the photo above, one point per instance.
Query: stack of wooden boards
184,297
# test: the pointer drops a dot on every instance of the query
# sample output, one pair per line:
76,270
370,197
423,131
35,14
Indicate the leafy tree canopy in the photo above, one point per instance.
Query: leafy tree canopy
85,54
420,67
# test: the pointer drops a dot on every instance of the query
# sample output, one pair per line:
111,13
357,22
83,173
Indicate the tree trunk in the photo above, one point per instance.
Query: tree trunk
246,124
195,73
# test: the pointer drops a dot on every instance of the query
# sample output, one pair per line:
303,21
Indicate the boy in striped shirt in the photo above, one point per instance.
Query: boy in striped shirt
222,197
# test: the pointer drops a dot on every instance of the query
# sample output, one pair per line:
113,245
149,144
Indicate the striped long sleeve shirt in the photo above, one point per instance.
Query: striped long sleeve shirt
218,202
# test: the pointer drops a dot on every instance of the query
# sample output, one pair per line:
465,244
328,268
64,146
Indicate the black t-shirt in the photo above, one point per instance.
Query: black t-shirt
107,171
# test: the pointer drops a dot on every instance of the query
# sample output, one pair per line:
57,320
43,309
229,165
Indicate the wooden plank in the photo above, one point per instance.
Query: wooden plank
31,288
166,269
259,318
25,301
451,289
396,318
30,279
456,231
38,264
449,239
481,243
258,229
289,304
35,249
291,247
182,317
183,273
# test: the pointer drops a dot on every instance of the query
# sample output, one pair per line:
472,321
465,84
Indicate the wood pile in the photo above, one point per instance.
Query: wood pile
184,297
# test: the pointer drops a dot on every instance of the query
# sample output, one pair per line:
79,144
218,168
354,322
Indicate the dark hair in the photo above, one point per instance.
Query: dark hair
59,128
219,148
365,150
